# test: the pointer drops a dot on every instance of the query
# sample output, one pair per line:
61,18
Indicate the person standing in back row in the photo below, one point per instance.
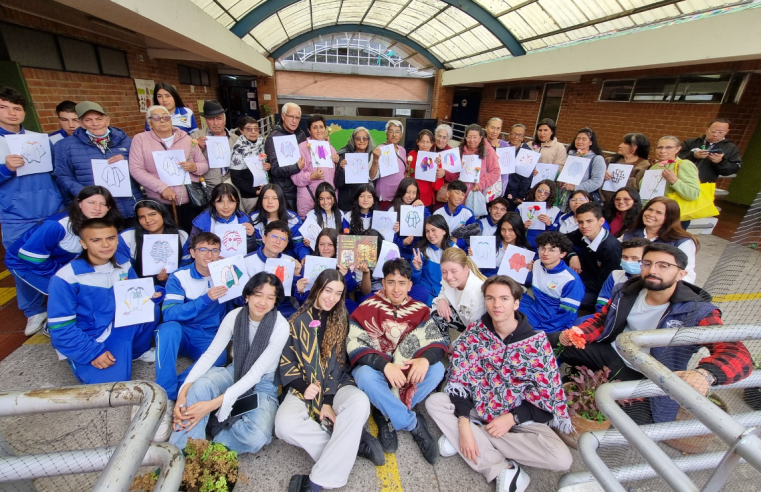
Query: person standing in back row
289,125
713,154
216,120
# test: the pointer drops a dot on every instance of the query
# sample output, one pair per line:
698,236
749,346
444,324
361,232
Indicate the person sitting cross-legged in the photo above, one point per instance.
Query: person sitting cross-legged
395,350
503,394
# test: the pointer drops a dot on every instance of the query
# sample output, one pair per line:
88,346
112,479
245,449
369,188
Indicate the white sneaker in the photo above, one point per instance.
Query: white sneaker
165,424
446,448
513,479
35,324
148,356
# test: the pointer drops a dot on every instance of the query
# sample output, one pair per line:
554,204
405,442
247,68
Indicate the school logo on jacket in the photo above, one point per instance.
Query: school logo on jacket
552,285
124,276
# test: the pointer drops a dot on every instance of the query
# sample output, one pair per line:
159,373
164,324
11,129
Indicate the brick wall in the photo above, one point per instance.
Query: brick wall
117,95
441,107
268,85
332,86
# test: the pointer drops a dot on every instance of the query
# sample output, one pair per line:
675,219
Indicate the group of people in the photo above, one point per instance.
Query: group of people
311,364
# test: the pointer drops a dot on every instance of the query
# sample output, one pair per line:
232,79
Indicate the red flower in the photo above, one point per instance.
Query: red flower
576,336
536,363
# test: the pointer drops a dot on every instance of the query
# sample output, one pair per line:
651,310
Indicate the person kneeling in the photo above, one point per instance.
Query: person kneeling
258,334
502,392
323,412
393,341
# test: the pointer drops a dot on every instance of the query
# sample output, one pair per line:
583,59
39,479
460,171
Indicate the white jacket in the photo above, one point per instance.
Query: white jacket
471,306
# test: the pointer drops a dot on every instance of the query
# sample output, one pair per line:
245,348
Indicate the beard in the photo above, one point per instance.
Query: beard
657,285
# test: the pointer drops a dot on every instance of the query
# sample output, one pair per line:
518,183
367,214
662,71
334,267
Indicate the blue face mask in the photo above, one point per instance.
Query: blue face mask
108,132
631,267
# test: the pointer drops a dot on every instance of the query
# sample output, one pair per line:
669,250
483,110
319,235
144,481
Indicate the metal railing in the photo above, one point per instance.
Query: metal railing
266,125
739,431
119,463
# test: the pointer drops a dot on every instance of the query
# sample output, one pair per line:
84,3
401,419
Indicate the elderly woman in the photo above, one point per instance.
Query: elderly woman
493,132
490,181
633,150
142,165
681,175
517,186
250,144
310,176
386,185
166,95
360,143
585,145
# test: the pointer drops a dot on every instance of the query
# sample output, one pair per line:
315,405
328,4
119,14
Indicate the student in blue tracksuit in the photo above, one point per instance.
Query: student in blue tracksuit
165,94
544,191
272,205
557,289
408,193
426,267
496,209
326,212
37,255
95,140
225,208
67,118
82,309
276,237
153,218
509,230
360,217
454,212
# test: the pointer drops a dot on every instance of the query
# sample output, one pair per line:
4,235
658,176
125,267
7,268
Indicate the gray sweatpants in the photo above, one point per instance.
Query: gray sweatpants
533,445
334,454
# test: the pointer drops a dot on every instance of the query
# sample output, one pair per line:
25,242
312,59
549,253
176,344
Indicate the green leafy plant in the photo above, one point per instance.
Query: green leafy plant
266,111
581,392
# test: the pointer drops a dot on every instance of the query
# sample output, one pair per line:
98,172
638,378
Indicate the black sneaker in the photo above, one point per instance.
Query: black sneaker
386,432
370,448
299,483
425,441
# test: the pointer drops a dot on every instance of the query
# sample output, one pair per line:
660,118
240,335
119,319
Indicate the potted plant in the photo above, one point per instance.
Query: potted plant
695,444
209,467
580,393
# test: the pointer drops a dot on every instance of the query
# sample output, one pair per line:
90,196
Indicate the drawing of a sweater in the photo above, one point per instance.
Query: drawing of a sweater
161,251
172,166
413,219
218,150
231,275
135,298
112,175
482,250
287,149
32,151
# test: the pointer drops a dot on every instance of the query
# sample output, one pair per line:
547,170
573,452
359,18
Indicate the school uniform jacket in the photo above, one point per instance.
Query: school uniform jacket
206,223
296,244
187,301
462,216
557,296
471,306
182,118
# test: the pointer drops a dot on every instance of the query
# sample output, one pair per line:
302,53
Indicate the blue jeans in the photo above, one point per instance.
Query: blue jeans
252,431
174,340
375,385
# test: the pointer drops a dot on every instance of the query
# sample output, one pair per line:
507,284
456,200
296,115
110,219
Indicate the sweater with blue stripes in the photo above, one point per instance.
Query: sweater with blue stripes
557,296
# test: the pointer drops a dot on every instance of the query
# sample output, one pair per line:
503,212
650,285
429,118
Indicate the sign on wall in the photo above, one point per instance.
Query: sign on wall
144,93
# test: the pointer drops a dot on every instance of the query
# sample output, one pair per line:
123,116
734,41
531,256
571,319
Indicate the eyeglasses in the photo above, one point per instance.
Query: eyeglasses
293,117
513,134
203,251
542,192
658,265
361,139
670,147
394,132
577,200
718,132
158,118
249,129
279,238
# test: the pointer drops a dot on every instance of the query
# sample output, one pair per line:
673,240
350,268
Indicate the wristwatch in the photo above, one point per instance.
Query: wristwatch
515,418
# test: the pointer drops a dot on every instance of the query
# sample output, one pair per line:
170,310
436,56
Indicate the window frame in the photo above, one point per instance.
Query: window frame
526,89
190,70
678,78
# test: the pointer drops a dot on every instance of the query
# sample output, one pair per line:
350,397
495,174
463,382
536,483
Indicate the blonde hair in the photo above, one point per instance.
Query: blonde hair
456,255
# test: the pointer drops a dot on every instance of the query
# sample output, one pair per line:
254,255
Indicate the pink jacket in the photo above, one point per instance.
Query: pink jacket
301,179
143,168
490,170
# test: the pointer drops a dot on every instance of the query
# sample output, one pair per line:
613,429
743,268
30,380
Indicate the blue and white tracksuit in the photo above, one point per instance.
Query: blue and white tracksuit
328,222
182,118
60,132
557,296
81,313
296,246
255,263
404,250
128,247
367,221
429,277
206,223
461,216
191,319
615,278
531,234
488,227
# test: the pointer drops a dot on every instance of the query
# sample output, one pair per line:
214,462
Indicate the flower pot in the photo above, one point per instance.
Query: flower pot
695,444
580,425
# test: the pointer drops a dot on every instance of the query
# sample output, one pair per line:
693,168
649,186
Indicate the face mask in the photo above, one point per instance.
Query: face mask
631,267
108,131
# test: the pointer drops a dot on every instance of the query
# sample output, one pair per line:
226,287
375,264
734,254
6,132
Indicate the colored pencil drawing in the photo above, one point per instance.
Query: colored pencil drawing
219,150
231,240
113,176
135,299
161,251
230,276
412,218
287,149
575,168
172,166
426,163
32,151
517,262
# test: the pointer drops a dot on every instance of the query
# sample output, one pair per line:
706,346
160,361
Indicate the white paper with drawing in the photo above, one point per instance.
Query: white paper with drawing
450,160
525,162
619,175
286,150
54,139
310,229
35,149
320,151
388,160
168,166
516,263
233,237
254,164
425,166
389,251
383,222
471,169
357,169
314,266
160,251
506,156
218,152
545,171
574,169
484,251
133,302
231,273
653,184
412,221
531,211
114,177
283,269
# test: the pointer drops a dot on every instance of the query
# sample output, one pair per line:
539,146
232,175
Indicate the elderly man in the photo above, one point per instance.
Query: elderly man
96,139
216,121
517,185
291,116
712,153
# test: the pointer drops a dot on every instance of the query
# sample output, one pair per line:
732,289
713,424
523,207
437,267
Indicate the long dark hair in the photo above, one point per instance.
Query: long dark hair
481,146
355,225
401,190
514,219
282,205
671,230
332,234
439,222
77,218
548,122
594,147
322,188
221,191
169,228
638,140
630,217
172,90
553,192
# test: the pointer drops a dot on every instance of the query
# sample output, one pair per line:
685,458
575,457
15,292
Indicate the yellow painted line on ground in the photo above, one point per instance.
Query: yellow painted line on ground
4,274
38,339
388,474
751,296
7,294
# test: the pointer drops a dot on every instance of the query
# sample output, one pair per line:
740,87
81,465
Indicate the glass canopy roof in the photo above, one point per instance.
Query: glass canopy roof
458,33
